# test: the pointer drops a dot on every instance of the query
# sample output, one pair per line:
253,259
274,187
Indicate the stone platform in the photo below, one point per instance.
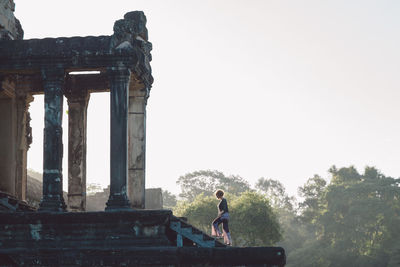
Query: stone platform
114,238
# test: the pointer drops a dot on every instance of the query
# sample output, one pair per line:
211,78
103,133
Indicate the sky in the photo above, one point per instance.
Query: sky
256,88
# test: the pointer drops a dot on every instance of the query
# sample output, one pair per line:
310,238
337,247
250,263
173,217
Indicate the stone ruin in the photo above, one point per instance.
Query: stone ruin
63,234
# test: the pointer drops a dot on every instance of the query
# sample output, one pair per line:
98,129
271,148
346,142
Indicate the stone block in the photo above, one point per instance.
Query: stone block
137,104
136,188
136,146
154,198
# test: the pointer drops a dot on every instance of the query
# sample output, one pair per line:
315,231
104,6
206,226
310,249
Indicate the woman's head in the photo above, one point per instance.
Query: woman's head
219,193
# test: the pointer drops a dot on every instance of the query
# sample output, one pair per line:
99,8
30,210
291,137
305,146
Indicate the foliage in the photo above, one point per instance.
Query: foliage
357,218
351,220
252,223
313,194
207,182
200,212
169,199
276,193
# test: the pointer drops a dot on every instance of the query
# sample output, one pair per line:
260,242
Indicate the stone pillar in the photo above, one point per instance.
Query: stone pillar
77,122
119,90
137,147
52,200
8,132
24,140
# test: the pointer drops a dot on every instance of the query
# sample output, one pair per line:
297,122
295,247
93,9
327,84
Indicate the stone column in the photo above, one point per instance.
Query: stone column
137,147
52,200
8,132
24,140
77,122
119,86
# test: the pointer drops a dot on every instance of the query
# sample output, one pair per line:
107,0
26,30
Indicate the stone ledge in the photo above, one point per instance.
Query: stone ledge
146,217
152,256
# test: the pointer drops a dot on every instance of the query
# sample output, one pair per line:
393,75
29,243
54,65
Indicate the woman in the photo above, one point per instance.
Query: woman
223,217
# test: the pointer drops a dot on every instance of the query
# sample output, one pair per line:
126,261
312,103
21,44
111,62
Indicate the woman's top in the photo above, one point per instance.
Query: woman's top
222,207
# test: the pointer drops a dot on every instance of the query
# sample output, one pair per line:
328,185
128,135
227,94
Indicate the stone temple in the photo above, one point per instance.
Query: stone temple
60,232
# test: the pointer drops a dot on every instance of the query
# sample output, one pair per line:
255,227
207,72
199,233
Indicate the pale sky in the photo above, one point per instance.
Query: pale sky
274,89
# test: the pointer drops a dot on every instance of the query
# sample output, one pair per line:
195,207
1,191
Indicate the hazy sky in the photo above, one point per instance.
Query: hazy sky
274,89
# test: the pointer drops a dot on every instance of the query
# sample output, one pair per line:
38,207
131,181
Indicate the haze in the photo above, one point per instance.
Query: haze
274,89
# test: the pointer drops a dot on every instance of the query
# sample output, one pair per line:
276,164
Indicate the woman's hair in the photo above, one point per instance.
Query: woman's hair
219,193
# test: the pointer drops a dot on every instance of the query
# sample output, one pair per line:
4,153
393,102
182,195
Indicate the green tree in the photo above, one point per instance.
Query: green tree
293,234
200,212
362,216
207,182
276,193
253,221
357,217
313,194
169,199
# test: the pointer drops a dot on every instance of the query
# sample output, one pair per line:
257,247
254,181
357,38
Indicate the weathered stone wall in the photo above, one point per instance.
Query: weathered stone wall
154,198
10,27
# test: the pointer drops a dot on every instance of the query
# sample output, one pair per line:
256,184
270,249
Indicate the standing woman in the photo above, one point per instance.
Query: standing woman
223,217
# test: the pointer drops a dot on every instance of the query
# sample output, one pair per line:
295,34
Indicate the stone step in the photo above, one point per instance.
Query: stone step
192,233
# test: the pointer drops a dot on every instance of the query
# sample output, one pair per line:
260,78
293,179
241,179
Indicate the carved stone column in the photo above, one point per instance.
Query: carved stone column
137,147
52,200
77,122
24,139
119,86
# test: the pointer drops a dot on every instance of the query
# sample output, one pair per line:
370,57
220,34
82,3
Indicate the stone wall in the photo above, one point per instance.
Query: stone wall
154,199
10,27
95,202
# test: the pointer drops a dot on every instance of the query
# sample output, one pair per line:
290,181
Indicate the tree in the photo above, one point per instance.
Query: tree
207,182
362,216
357,217
276,193
253,221
313,194
169,199
200,212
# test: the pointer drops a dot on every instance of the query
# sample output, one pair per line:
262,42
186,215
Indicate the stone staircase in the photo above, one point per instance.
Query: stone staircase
186,232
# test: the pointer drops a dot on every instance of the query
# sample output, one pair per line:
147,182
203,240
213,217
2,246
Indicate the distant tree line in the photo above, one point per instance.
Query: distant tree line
351,220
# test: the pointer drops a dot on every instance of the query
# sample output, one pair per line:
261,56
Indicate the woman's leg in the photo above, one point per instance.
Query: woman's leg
214,227
227,235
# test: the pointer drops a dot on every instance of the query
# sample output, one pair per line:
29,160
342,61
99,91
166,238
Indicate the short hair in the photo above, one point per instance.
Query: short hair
219,193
